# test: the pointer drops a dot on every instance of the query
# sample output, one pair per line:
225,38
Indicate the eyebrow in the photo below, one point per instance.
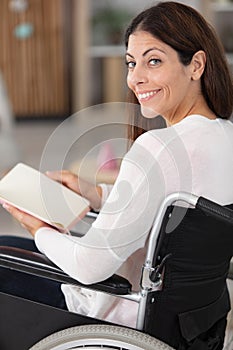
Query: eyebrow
146,52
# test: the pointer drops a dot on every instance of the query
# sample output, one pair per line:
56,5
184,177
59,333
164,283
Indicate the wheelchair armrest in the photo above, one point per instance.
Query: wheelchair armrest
39,265
215,210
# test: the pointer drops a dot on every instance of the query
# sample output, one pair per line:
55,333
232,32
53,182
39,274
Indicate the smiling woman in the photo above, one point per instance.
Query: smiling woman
195,45
177,69
161,83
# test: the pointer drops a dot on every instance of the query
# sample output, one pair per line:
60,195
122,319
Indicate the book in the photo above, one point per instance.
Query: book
35,193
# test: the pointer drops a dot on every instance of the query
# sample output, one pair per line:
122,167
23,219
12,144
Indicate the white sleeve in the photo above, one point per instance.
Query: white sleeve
85,264
122,225
106,189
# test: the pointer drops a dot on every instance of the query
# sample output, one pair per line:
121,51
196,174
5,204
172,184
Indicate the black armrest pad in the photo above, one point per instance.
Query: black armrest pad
215,210
39,265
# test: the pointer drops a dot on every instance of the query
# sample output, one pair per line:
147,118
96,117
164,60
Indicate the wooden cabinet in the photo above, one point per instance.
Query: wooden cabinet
35,56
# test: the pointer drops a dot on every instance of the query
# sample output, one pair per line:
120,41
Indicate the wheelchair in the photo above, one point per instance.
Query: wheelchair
183,299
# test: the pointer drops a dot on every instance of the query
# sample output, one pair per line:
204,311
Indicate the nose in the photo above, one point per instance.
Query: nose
137,76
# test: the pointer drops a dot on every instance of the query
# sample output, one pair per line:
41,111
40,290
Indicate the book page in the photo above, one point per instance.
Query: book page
35,193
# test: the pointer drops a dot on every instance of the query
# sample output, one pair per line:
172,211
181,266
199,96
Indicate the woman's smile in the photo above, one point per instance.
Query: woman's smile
144,96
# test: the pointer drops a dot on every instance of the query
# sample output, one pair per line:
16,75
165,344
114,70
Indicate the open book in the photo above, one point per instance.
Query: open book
35,193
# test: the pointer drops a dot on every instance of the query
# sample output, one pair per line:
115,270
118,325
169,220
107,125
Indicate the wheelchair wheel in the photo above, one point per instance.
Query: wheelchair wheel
94,337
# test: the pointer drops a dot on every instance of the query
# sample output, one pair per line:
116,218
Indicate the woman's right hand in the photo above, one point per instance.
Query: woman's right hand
86,189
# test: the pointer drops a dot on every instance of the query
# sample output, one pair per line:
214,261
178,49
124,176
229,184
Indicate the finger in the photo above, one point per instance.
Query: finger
27,221
63,176
55,175
16,213
24,218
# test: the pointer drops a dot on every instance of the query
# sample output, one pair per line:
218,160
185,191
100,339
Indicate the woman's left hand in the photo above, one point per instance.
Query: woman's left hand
27,221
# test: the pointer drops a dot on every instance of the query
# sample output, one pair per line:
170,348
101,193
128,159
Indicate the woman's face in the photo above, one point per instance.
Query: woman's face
161,83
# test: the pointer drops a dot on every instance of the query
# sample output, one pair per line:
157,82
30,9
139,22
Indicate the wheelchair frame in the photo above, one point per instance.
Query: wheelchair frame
151,277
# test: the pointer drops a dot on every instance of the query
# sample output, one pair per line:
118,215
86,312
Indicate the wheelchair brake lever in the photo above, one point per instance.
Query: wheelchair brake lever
155,275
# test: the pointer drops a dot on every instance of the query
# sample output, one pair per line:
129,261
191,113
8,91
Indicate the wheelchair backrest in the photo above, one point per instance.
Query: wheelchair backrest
194,297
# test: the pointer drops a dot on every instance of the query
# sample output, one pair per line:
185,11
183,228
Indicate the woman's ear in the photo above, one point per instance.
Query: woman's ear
198,64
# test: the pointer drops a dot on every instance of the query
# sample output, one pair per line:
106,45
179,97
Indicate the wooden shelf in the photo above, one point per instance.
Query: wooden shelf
107,51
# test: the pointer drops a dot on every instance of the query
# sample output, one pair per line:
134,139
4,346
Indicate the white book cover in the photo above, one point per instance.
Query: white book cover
35,193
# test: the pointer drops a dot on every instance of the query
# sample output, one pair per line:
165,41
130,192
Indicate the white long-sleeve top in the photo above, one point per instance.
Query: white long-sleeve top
195,155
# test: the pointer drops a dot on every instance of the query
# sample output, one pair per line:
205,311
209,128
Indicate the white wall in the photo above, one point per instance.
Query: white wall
136,6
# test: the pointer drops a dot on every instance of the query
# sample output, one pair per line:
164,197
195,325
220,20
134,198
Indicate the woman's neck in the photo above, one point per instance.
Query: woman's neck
200,107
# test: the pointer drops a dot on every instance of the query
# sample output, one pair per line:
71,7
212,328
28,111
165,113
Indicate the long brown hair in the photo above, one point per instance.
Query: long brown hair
186,31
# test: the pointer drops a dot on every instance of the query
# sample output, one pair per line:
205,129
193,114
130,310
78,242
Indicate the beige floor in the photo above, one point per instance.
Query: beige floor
32,137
